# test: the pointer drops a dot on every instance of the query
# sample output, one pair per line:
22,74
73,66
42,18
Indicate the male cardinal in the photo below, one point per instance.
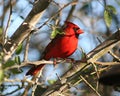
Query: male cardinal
62,46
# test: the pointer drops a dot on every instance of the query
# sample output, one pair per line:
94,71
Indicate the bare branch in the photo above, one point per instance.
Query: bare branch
26,49
87,83
26,28
103,48
107,63
94,55
115,56
22,81
8,23
71,3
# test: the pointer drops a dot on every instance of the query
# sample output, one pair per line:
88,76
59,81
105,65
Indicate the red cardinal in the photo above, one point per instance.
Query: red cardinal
61,46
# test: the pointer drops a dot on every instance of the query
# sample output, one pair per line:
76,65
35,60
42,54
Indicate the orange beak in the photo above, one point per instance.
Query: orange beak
80,31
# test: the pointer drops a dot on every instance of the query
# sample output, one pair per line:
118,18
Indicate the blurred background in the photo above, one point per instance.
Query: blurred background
87,14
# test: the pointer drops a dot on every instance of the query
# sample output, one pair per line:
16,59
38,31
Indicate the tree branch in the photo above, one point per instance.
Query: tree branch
92,56
26,28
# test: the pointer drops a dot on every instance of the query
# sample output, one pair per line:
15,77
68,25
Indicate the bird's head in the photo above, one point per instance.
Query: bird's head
72,29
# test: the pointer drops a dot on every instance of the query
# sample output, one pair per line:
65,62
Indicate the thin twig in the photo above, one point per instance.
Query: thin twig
19,80
30,82
97,73
27,48
71,3
115,56
36,80
71,11
23,64
100,70
8,23
95,67
86,82
15,90
107,63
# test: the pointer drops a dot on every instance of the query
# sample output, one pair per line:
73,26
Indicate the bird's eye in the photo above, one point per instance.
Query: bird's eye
75,29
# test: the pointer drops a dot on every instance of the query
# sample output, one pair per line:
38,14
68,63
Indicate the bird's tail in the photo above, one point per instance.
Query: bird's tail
35,70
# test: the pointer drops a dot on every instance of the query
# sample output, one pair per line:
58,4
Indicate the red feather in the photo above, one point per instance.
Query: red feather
61,46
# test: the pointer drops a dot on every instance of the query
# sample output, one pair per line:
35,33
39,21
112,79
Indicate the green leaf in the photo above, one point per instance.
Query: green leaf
16,71
108,18
19,49
8,64
1,56
0,30
108,14
17,59
111,9
1,75
51,81
55,32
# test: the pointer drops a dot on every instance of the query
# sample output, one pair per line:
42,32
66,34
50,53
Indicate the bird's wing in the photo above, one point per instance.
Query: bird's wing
51,47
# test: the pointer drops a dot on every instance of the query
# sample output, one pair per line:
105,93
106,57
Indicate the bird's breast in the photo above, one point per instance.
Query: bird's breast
67,46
